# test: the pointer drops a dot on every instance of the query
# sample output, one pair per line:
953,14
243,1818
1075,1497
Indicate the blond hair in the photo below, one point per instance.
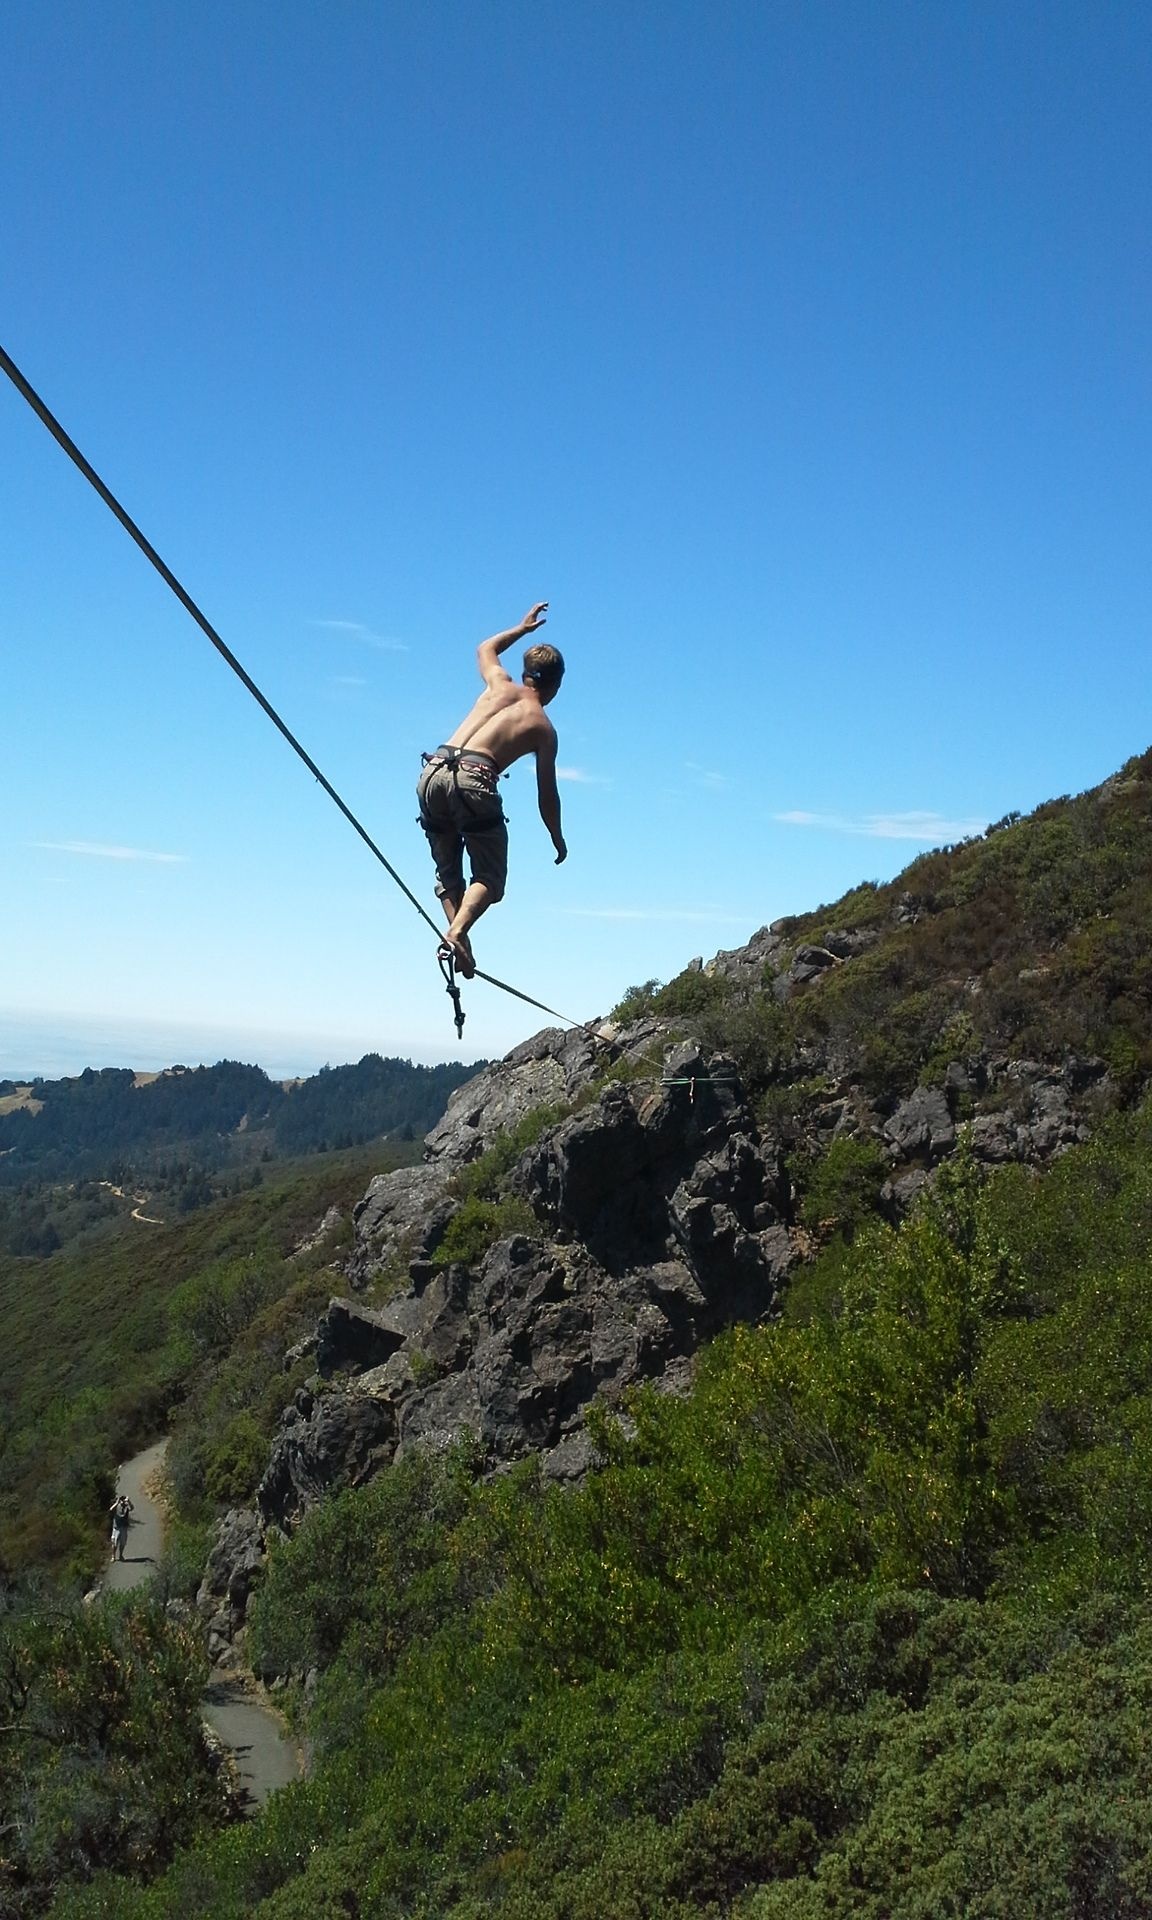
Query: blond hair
544,667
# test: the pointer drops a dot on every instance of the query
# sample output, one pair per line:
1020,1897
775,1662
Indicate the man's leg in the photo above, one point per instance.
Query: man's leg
477,900
460,943
447,847
475,822
487,844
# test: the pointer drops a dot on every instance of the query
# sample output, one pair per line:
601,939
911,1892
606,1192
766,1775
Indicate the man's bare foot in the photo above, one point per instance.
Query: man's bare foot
460,948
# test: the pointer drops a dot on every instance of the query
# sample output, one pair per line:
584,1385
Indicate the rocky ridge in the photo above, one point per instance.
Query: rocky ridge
653,1211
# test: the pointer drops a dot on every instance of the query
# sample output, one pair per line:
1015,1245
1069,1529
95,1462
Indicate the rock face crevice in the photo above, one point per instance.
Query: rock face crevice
648,1172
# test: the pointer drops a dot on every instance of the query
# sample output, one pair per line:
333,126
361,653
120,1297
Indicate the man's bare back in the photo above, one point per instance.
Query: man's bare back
506,723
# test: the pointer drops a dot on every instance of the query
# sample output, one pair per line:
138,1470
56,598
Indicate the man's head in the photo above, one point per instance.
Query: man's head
544,669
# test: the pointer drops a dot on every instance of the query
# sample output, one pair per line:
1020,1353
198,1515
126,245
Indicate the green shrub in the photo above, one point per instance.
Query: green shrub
370,1563
212,1310
689,994
755,1031
842,1186
102,1760
237,1461
637,1004
221,1434
477,1225
181,1568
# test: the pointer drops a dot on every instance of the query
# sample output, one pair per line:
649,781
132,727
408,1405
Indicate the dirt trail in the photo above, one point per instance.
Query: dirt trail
265,1755
140,1201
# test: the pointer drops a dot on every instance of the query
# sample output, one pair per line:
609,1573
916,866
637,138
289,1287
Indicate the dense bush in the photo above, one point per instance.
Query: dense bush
102,1757
842,1188
371,1572
478,1224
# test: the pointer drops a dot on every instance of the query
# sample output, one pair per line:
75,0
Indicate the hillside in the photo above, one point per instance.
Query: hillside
78,1153
719,1484
102,1341
1030,943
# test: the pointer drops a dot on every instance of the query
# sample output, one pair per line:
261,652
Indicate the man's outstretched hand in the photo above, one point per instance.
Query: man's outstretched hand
535,617
561,852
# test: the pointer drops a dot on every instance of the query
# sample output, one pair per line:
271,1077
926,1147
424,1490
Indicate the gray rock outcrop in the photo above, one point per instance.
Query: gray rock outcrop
326,1442
922,1124
661,1218
648,1210
234,1564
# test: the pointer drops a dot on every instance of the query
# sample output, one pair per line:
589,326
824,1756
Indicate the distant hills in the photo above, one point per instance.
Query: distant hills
75,1151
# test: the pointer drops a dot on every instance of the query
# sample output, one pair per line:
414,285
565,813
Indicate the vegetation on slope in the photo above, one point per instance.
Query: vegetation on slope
102,1756
1033,938
105,1340
861,1626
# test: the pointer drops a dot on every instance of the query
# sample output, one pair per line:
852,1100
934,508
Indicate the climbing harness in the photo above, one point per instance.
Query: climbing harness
472,759
49,420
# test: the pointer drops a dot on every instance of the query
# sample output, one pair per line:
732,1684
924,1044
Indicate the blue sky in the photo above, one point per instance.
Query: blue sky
798,354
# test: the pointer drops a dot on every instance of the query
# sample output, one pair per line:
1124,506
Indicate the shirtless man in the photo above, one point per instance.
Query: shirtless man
459,803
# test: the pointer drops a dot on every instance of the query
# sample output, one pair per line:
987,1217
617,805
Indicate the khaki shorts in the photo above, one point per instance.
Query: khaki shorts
460,809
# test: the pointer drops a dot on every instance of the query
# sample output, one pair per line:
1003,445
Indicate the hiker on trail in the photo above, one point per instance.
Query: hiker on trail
459,804
121,1511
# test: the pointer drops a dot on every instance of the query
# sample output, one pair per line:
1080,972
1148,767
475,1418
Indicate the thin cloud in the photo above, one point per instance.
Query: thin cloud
94,850
708,917
931,829
581,779
705,778
356,630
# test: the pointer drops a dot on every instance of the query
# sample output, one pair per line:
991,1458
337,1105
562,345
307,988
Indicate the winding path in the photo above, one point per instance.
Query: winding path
265,1755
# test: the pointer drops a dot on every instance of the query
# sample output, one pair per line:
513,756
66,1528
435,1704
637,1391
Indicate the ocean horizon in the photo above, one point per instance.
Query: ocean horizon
48,1046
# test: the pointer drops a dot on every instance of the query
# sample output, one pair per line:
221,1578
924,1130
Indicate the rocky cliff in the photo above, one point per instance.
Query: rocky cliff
592,1208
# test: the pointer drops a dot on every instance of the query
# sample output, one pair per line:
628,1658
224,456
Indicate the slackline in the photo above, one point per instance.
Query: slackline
25,388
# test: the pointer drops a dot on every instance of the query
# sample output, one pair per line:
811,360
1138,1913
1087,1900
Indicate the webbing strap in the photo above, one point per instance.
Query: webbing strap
586,1026
63,439
148,550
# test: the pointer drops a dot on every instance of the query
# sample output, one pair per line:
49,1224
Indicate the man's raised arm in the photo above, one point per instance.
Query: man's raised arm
489,651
